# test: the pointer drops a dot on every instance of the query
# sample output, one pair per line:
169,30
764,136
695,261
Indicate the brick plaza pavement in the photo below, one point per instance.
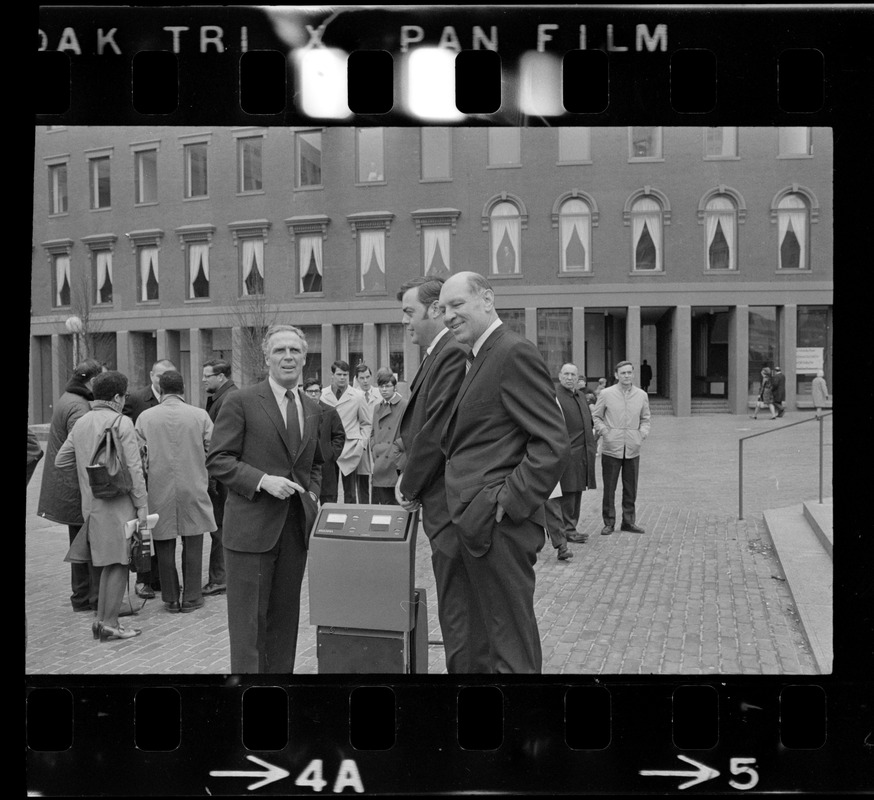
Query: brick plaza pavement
699,593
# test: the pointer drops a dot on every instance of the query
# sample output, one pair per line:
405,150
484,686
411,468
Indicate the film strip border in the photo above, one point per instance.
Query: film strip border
592,738
449,65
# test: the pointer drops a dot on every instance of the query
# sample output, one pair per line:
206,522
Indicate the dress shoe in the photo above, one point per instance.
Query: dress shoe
191,605
606,530
632,529
146,592
564,553
578,538
215,588
107,633
173,607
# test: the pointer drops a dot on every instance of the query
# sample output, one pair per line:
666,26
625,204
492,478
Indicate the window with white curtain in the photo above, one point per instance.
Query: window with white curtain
720,231
147,273
575,232
505,231
435,244
792,225
371,260
102,276
61,280
251,266
793,141
198,270
720,142
310,267
646,235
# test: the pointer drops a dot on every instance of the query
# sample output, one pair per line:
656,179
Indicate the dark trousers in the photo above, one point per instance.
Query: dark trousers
192,568
383,495
363,488
264,601
503,585
570,511
216,557
610,469
84,578
350,488
152,577
555,522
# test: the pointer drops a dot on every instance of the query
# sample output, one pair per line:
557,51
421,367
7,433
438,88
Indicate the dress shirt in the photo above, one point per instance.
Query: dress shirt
434,341
481,341
282,402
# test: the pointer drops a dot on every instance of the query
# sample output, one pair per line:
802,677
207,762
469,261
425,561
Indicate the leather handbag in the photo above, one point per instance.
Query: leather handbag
108,474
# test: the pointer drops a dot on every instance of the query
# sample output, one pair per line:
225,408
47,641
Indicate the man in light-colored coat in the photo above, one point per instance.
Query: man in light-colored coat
176,436
621,417
356,418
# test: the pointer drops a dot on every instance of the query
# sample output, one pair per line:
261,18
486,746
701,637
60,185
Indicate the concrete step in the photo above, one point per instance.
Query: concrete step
661,406
704,405
809,574
821,520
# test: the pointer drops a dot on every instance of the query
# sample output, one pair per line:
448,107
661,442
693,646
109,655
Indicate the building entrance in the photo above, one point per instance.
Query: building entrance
709,348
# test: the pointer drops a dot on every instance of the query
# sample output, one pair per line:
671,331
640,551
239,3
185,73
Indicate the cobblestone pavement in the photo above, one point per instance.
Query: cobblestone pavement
700,592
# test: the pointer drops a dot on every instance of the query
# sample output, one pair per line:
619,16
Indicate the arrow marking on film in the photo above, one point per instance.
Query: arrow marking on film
701,773
273,773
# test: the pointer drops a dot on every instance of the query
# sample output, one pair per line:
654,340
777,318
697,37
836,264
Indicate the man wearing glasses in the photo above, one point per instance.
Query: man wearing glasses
217,382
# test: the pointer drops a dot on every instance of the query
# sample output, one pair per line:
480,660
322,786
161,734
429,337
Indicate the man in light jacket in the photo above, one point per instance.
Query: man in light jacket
621,417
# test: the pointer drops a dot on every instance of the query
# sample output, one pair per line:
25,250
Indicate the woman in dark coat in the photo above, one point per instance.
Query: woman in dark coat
766,397
59,498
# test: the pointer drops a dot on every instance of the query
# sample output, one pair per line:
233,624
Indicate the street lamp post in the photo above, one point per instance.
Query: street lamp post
74,325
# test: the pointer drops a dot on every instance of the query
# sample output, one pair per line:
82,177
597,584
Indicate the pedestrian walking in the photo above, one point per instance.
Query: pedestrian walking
819,392
766,397
778,391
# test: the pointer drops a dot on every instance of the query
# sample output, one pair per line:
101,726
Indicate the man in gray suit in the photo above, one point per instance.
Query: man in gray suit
432,393
506,448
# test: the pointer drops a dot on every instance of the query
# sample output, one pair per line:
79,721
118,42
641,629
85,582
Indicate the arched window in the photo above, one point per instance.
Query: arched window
792,227
646,235
505,231
575,236
720,232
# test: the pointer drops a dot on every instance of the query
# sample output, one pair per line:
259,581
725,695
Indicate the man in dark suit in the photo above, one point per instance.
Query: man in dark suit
506,449
579,474
218,383
421,462
134,404
265,449
332,437
778,391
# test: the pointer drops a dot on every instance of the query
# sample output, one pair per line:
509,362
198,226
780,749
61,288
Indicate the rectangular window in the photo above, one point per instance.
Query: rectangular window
101,276
249,164
99,171
390,346
146,176
313,367
764,344
350,345
371,261
514,319
58,189
814,346
251,266
195,170
61,280
198,270
645,142
371,155
436,154
554,337
574,145
794,141
505,147
308,159
147,273
310,268
720,142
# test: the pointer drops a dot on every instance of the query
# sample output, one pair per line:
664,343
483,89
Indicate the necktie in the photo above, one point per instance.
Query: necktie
469,364
292,423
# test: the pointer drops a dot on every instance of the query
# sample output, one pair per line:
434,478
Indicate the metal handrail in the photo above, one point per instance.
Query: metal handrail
740,461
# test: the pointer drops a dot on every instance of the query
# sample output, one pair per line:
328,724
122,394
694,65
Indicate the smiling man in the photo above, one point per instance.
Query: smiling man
506,447
265,449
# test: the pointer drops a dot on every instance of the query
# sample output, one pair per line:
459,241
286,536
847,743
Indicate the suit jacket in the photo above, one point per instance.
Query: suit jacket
356,418
579,474
217,491
505,441
250,440
332,437
778,387
138,401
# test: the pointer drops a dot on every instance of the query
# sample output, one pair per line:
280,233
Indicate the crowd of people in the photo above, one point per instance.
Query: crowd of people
483,443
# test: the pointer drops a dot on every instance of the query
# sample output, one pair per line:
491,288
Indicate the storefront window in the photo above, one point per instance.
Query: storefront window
350,345
764,345
514,319
313,368
554,337
813,348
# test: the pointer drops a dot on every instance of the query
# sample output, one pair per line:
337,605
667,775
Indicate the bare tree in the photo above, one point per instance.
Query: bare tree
253,315
90,339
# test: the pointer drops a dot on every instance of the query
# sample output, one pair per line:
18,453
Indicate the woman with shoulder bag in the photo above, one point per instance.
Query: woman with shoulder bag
101,540
766,396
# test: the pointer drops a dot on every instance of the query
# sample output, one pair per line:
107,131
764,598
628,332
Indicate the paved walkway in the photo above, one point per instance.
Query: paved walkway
700,593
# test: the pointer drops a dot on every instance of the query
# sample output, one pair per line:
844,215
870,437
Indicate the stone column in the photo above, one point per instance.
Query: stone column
237,355
530,325
787,325
329,352
738,359
681,362
193,383
369,348
578,339
632,340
